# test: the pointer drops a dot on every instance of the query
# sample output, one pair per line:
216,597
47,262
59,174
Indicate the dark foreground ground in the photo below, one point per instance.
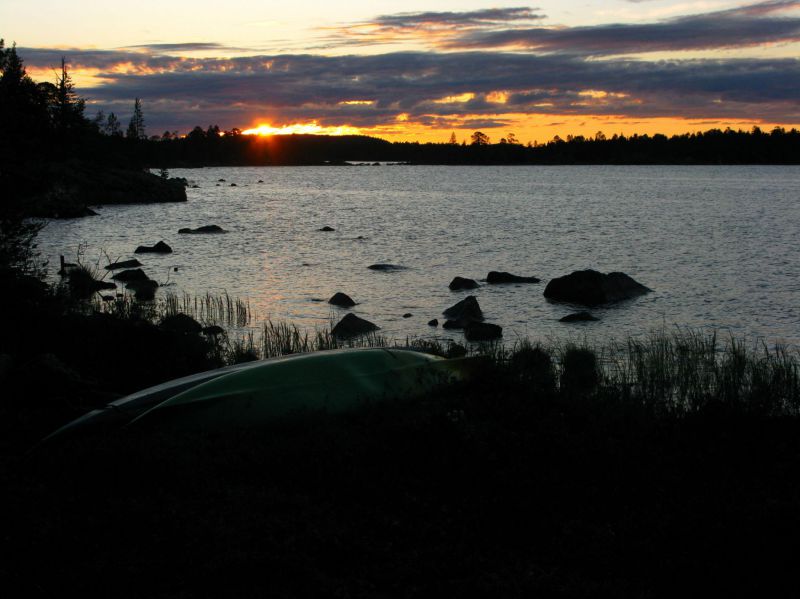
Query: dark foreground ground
493,490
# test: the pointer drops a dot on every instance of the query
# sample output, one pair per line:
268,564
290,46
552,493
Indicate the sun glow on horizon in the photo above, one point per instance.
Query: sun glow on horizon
311,128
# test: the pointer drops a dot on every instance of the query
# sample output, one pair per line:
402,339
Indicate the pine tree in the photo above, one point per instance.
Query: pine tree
68,109
112,125
453,141
136,126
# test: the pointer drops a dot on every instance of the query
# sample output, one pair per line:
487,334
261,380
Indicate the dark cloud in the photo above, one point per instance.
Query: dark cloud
183,47
181,92
475,18
431,27
745,26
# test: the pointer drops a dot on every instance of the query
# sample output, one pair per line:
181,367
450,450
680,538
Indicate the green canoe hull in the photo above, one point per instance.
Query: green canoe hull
330,381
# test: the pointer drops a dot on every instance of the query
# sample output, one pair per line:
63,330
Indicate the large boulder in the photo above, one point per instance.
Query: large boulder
342,300
495,277
352,326
159,248
482,331
591,288
459,283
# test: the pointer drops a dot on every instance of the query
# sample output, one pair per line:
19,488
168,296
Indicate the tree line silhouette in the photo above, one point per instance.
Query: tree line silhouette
44,124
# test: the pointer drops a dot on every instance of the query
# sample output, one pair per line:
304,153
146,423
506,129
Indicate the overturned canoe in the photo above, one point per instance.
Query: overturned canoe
329,381
122,411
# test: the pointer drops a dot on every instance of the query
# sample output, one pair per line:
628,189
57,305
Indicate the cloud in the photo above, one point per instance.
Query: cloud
427,26
444,89
745,26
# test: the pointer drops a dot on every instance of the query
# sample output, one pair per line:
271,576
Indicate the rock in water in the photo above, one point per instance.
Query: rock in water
342,300
136,274
203,229
465,311
180,323
352,326
326,229
482,331
124,264
495,277
461,283
590,288
578,317
433,323
386,267
159,248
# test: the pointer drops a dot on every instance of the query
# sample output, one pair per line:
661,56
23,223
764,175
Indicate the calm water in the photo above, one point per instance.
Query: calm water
719,245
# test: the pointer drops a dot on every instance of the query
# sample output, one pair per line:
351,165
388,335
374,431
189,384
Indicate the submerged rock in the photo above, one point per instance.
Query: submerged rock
495,277
203,229
159,248
342,300
482,331
124,264
590,288
352,326
386,267
578,317
460,283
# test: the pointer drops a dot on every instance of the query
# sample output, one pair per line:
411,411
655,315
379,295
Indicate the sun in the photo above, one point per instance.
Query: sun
311,128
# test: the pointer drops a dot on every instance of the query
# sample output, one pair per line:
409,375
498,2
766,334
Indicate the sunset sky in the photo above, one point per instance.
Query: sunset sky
423,70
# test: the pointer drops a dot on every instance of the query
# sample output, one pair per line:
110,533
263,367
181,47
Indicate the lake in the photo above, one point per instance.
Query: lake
717,244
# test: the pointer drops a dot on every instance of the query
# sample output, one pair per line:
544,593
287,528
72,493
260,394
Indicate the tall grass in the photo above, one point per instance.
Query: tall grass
672,372
689,370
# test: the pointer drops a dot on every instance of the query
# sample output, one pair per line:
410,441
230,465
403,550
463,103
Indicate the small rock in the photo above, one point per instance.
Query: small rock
460,283
482,331
203,229
342,300
352,326
233,185
261,180
159,248
221,180
124,264
407,315
578,317
433,323
386,267
326,229
495,277
180,323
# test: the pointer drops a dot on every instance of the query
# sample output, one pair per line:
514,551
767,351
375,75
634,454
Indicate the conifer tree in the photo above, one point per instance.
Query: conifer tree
136,125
